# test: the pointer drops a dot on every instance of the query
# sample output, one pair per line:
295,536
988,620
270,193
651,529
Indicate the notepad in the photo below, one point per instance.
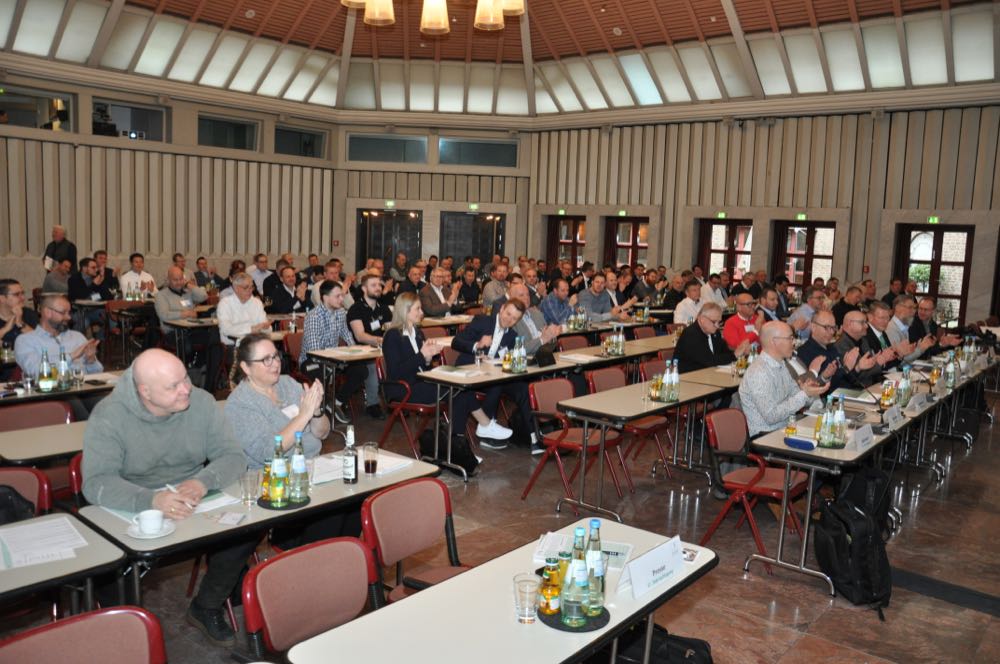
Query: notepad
464,372
861,396
38,542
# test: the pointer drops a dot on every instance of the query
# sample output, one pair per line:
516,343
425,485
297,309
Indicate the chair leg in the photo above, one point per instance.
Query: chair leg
565,481
753,529
232,615
393,416
753,504
625,470
538,471
614,475
663,455
733,497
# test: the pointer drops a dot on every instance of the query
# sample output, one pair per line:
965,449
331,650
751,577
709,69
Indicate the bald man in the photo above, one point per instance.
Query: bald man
155,430
768,393
177,301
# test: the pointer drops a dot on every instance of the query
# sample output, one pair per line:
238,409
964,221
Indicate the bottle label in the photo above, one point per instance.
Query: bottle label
278,467
595,562
298,463
554,604
350,467
580,572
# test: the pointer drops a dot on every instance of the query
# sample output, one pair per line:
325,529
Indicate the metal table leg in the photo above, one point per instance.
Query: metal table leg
581,500
446,462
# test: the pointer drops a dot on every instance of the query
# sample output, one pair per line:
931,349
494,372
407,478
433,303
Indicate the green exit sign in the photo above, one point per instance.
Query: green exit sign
933,220
473,206
390,204
801,216
621,213
720,215
562,210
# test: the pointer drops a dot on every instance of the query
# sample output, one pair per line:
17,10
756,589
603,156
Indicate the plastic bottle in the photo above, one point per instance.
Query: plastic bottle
350,458
595,571
573,599
298,479
278,489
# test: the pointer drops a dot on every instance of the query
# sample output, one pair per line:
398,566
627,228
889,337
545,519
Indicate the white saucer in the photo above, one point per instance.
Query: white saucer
168,527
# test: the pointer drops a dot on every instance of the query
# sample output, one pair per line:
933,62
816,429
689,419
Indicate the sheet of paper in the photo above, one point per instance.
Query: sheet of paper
124,515
725,368
550,544
456,371
390,463
42,536
861,396
214,500
574,357
328,468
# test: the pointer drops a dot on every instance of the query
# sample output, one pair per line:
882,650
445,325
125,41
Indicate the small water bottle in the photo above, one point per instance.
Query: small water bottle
298,479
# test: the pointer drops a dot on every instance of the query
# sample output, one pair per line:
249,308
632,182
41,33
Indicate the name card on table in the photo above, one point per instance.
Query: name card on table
917,402
982,361
652,568
893,418
863,438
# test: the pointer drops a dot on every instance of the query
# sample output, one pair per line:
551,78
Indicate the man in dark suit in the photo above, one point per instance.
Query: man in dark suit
879,316
490,335
88,283
701,345
110,275
286,297
781,285
854,335
850,302
205,275
923,324
413,282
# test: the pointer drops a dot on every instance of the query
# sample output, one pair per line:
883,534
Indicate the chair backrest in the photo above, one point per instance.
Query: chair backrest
650,368
645,332
449,356
546,394
76,476
572,342
434,332
380,369
406,518
119,635
605,335
31,483
607,378
673,327
666,354
293,346
727,430
334,576
34,414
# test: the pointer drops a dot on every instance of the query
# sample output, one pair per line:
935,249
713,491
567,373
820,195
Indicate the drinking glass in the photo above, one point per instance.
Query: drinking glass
78,375
250,486
370,457
30,380
526,597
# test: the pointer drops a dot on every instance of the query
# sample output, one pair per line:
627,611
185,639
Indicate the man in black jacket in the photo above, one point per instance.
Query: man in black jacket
88,284
286,297
701,345
490,335
923,324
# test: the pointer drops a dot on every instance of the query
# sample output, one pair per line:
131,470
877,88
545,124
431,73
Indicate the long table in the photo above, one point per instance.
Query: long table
105,382
27,447
479,623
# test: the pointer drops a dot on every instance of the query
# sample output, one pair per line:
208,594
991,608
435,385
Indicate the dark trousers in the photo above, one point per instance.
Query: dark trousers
354,375
209,353
518,393
462,405
225,568
345,522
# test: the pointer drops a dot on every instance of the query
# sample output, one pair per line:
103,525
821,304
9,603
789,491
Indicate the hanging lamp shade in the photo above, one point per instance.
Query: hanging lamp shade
379,12
354,4
513,7
489,15
434,18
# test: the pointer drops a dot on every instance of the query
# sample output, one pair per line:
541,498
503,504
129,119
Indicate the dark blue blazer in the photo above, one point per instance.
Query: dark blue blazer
479,327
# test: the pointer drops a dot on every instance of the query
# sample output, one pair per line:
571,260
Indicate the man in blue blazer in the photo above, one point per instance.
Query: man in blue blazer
490,335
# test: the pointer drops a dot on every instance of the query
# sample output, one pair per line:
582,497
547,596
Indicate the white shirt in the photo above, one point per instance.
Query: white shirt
236,318
411,335
258,277
687,310
613,294
440,295
498,333
131,280
715,294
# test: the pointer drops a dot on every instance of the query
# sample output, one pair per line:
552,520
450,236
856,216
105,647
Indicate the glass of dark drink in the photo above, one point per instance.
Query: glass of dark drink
370,457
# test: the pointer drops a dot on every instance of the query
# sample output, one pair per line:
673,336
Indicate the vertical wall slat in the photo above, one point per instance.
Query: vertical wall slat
140,209
731,183
803,140
966,165
759,166
848,149
292,211
951,135
231,188
745,173
614,169
775,154
81,198
603,161
913,160
155,202
786,185
573,168
817,162
831,168
700,147
243,202
721,164
34,197
595,161
982,191
930,160
67,191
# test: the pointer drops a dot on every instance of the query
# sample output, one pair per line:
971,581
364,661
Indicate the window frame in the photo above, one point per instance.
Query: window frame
323,134
780,252
256,124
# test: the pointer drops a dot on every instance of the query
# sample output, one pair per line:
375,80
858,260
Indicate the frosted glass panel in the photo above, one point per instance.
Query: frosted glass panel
727,59
481,89
360,86
585,83
973,39
807,70
38,26
192,56
925,46
421,86
885,65
767,60
280,72
6,16
225,58
670,77
451,88
253,67
159,47
81,32
612,80
560,87
124,40
699,73
512,96
842,58
543,101
304,80
640,78
393,91
326,91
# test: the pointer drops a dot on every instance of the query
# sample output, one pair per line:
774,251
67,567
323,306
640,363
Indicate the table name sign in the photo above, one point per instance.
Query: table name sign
893,417
652,568
917,401
863,438
982,361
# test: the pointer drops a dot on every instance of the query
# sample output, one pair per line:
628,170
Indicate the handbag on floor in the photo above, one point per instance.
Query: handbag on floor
666,648
461,451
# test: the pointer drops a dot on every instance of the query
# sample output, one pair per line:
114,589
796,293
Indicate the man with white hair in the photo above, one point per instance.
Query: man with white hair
242,313
60,249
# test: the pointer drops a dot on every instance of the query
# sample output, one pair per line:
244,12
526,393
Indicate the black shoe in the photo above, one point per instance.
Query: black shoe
375,411
537,448
340,414
719,493
212,623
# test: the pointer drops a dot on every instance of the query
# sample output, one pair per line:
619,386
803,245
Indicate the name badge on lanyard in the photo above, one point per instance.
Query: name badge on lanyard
376,324
749,328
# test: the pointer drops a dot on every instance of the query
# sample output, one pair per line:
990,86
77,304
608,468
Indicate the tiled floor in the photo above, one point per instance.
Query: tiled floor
948,533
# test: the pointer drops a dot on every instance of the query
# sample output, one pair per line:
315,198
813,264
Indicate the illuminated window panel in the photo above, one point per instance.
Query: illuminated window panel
304,80
727,59
253,66
159,47
585,83
885,63
392,84
972,35
124,40
282,69
807,70
81,32
326,91
481,89
560,87
842,58
360,86
925,49
451,88
699,72
770,69
543,100
665,68
226,56
512,95
612,80
192,55
421,86
6,16
640,78
38,26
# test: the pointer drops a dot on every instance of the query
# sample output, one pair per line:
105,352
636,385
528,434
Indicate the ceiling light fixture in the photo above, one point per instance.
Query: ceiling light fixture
513,7
379,12
353,4
489,15
434,18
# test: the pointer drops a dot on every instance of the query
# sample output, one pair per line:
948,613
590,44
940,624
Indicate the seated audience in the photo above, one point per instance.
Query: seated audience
110,275
137,280
558,305
241,314
287,297
206,274
176,301
57,280
701,345
596,301
15,318
812,301
924,324
745,325
849,302
368,318
687,309
898,330
854,334
437,298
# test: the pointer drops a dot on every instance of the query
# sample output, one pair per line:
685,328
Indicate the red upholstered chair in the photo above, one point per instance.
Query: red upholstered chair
645,332
405,519
400,409
39,414
119,635
572,342
727,436
665,354
293,348
638,432
76,479
434,332
337,576
31,483
544,396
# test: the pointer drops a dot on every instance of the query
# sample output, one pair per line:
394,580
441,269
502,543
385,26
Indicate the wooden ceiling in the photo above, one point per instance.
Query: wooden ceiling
558,28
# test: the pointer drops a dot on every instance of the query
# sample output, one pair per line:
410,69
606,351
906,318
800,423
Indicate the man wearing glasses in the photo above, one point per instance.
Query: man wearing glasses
15,318
745,325
701,345
854,329
768,393
820,344
801,317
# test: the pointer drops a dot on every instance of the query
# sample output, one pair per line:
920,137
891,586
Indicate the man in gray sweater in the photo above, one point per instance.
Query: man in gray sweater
156,430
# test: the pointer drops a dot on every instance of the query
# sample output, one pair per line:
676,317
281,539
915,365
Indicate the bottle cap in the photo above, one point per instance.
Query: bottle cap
552,561
595,523
579,532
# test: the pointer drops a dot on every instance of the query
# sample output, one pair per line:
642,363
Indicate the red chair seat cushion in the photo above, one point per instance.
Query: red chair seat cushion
772,481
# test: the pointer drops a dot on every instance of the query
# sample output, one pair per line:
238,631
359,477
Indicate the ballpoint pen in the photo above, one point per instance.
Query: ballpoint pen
172,489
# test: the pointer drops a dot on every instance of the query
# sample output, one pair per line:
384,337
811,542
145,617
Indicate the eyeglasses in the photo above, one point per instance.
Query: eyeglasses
15,293
268,360
61,312
788,338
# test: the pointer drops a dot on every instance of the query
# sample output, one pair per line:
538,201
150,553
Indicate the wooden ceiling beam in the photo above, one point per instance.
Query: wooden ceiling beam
780,43
949,43
820,49
345,61
583,56
565,72
61,27
103,36
673,50
642,52
749,69
611,52
528,62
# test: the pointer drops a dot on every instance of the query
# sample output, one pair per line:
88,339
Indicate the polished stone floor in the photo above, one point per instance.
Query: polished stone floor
949,532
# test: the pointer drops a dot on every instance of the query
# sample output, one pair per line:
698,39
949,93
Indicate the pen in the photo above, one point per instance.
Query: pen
172,489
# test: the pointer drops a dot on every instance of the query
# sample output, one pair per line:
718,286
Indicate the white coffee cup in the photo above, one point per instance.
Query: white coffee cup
150,522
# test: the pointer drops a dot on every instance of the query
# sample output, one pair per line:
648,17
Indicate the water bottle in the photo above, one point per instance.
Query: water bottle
45,382
675,381
350,458
840,423
574,594
64,375
278,489
905,389
826,434
949,371
595,571
298,479
667,387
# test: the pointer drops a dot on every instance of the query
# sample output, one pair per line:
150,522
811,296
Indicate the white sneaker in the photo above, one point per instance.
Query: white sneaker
493,430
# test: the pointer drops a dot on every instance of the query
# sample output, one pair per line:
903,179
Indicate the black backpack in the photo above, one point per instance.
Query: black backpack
461,451
850,550
14,506
869,490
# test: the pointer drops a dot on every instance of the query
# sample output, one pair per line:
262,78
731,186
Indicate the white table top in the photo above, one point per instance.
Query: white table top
633,349
39,443
487,373
475,610
712,376
631,402
202,525
775,442
98,553
192,323
357,353
662,342
108,379
441,321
